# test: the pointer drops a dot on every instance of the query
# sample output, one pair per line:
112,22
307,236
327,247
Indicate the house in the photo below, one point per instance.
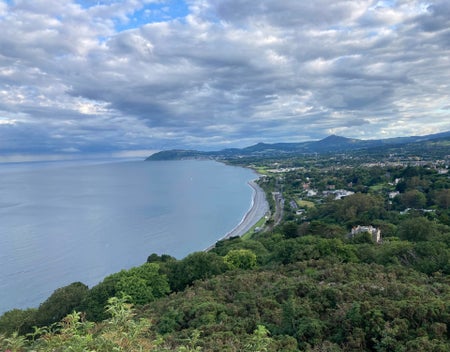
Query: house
300,211
339,193
392,195
311,193
373,231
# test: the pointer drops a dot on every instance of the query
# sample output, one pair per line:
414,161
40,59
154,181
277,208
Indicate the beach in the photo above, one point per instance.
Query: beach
258,209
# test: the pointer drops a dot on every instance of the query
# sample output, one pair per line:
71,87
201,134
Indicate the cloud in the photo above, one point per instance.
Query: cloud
291,13
437,17
106,76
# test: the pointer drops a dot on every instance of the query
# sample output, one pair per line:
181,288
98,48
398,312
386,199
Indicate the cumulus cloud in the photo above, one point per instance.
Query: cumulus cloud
84,76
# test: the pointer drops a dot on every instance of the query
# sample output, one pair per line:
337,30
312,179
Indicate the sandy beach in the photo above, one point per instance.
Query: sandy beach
258,209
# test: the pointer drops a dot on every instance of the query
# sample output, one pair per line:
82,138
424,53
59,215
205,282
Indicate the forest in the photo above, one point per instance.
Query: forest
320,280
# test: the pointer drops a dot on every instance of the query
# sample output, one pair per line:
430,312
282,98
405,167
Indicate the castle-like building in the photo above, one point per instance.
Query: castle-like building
373,231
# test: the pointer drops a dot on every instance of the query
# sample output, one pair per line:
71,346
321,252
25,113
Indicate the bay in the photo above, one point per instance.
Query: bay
61,223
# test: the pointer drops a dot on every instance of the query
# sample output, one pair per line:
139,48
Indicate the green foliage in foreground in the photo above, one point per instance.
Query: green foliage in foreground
142,284
318,305
315,305
121,332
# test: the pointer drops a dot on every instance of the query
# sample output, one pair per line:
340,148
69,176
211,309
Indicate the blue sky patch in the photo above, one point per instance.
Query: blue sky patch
159,12
155,12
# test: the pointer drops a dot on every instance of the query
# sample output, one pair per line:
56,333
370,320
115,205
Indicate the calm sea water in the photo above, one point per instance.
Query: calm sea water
63,223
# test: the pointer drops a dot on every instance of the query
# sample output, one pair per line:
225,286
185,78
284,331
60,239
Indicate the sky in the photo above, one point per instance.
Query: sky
124,78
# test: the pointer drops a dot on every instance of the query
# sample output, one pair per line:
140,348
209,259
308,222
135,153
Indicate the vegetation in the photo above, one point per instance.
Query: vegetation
319,280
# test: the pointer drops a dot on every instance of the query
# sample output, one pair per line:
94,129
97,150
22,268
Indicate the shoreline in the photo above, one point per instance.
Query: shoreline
258,209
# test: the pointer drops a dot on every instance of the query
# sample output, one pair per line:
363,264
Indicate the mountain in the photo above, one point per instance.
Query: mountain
330,144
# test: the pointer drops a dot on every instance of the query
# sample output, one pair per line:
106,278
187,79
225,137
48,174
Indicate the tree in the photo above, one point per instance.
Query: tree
97,298
432,257
196,266
18,320
359,206
296,249
237,243
155,258
322,229
417,229
289,229
62,302
396,252
413,199
143,283
443,198
240,259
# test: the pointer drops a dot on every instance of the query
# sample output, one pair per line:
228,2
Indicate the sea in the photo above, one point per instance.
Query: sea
62,222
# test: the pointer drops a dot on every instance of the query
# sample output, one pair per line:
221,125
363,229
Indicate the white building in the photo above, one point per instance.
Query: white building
392,195
339,193
373,231
311,193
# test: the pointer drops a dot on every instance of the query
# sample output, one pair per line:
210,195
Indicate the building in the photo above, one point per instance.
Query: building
392,195
373,231
311,193
339,193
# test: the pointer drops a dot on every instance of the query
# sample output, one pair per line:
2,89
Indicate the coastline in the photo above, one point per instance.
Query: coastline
258,209
143,220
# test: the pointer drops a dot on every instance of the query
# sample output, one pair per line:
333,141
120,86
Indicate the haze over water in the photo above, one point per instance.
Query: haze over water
62,224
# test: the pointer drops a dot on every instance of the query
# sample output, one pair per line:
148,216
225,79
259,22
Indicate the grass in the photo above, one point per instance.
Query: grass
261,170
378,187
305,203
249,233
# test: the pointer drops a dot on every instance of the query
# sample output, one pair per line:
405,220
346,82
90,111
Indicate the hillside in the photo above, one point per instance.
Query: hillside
330,144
